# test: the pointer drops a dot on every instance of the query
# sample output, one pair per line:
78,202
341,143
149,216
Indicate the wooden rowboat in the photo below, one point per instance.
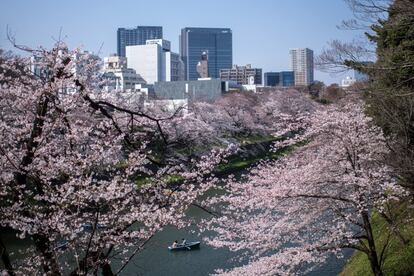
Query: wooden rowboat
186,246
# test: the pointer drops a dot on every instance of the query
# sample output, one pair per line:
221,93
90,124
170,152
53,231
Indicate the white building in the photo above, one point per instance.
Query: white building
301,63
347,82
119,77
114,62
37,67
242,74
155,62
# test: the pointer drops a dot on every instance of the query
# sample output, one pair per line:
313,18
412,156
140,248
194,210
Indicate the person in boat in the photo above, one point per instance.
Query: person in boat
175,244
183,241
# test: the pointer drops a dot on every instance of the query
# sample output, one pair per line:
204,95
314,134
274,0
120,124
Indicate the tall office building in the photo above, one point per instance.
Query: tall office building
137,36
218,42
301,62
155,62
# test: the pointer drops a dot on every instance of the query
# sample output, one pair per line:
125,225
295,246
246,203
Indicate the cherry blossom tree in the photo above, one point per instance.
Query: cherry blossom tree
290,214
278,103
247,113
230,116
70,159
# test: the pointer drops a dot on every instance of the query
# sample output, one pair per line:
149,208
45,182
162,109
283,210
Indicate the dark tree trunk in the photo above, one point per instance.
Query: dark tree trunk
107,270
6,258
49,262
372,254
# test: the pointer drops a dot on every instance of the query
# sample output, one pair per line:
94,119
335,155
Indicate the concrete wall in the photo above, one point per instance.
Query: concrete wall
200,90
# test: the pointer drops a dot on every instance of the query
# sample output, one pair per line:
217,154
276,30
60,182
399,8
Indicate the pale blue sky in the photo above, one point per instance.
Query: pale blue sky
263,30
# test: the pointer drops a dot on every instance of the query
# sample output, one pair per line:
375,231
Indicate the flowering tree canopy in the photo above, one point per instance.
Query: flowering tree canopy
317,200
88,176
248,113
70,160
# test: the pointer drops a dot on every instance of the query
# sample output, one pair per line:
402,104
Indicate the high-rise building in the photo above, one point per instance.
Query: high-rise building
137,36
242,74
301,62
155,62
218,42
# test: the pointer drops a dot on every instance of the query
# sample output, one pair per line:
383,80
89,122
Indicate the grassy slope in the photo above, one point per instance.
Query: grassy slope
399,258
237,163
234,164
253,139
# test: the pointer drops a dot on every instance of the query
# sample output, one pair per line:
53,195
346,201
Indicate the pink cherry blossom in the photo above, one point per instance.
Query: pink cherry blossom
70,159
312,202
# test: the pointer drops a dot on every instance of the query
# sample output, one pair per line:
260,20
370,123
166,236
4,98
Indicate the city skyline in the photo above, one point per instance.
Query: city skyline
262,33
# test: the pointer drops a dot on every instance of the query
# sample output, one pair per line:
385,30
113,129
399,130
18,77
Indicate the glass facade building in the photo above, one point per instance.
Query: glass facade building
271,79
217,42
284,78
137,36
287,78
